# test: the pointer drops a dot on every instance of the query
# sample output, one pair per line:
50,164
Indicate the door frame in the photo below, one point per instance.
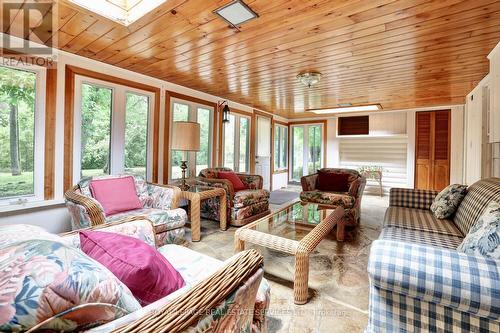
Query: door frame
432,144
323,123
253,146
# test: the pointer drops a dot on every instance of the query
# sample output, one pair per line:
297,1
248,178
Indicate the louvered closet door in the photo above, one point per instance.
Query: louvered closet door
423,168
432,170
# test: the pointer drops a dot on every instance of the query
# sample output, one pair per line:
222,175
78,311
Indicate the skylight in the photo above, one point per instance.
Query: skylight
124,12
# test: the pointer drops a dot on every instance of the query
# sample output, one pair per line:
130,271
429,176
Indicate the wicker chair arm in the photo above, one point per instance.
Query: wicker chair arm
185,310
309,182
92,207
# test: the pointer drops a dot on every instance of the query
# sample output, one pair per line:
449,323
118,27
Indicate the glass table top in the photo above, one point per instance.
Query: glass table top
199,188
293,222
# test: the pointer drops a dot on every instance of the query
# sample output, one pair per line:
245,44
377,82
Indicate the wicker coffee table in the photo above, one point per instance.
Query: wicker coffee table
296,229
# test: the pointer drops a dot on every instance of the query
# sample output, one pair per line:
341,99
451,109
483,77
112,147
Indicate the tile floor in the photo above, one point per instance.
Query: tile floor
338,282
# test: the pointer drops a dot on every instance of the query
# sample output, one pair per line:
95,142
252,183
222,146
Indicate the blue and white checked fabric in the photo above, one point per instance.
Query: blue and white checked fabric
445,277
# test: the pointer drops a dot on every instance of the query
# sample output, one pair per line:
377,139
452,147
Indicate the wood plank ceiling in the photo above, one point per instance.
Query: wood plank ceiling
400,54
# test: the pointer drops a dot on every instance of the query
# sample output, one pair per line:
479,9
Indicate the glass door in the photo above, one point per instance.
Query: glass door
306,150
236,143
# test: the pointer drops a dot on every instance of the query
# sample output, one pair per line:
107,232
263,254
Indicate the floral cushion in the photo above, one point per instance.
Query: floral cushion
250,210
328,198
249,197
46,280
446,203
484,236
165,219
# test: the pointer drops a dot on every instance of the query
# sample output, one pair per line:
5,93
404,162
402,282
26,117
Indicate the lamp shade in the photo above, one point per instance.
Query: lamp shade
185,136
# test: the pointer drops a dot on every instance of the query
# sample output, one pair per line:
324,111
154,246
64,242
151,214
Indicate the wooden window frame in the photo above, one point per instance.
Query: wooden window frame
322,122
286,125
168,120
69,91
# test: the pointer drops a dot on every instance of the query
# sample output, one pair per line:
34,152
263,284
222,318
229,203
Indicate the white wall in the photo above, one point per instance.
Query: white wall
280,180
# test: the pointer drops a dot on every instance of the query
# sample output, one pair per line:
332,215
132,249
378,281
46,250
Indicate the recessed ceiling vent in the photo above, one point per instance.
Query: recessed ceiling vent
236,13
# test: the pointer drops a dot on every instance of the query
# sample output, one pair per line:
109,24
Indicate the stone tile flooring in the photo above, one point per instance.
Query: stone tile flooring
338,282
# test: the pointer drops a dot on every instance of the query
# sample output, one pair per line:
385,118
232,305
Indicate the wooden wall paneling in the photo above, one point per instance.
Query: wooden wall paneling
69,91
166,138
50,132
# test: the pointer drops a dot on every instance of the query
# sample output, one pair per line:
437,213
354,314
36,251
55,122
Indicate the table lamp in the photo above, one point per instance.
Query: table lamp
185,137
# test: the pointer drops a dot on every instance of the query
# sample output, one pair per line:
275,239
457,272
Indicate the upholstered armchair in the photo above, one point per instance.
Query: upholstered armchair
159,205
243,206
350,200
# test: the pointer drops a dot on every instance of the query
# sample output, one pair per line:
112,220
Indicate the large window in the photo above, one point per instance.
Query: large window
306,149
21,134
280,148
111,129
237,143
183,110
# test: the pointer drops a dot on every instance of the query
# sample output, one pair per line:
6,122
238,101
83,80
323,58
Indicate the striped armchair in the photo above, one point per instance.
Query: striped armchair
418,279
159,206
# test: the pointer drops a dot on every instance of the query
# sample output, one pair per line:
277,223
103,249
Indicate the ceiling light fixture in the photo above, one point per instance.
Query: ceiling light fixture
309,79
236,13
358,108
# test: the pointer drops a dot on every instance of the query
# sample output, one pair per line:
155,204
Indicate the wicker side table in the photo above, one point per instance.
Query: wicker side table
262,232
194,195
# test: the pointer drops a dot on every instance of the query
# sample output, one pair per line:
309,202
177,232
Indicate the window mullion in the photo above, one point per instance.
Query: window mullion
117,146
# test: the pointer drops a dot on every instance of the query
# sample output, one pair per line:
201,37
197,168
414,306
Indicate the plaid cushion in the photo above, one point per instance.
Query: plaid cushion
409,198
478,197
446,277
419,219
421,237
391,312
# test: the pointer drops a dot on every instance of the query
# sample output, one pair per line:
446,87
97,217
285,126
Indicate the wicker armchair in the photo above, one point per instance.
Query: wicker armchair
159,202
243,206
350,200
232,293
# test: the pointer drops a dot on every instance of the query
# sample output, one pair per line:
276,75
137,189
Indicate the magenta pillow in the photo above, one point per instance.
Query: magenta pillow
147,273
234,179
333,182
115,194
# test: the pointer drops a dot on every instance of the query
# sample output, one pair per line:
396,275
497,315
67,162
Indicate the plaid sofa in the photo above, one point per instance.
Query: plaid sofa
419,282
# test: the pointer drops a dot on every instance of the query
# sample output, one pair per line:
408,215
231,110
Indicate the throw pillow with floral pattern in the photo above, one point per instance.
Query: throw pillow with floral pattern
446,203
484,236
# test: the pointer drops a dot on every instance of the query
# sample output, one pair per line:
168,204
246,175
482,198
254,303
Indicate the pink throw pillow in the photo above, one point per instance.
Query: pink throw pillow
143,269
234,179
115,194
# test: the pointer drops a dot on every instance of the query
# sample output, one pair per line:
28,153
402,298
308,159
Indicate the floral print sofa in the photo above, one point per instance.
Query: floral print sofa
159,206
244,206
48,284
350,200
420,278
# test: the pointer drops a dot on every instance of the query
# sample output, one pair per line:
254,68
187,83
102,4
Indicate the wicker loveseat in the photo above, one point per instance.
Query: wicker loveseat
418,279
217,296
159,202
243,206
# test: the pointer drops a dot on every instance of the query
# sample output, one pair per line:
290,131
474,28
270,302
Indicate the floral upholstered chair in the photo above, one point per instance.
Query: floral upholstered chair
159,205
243,206
350,200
